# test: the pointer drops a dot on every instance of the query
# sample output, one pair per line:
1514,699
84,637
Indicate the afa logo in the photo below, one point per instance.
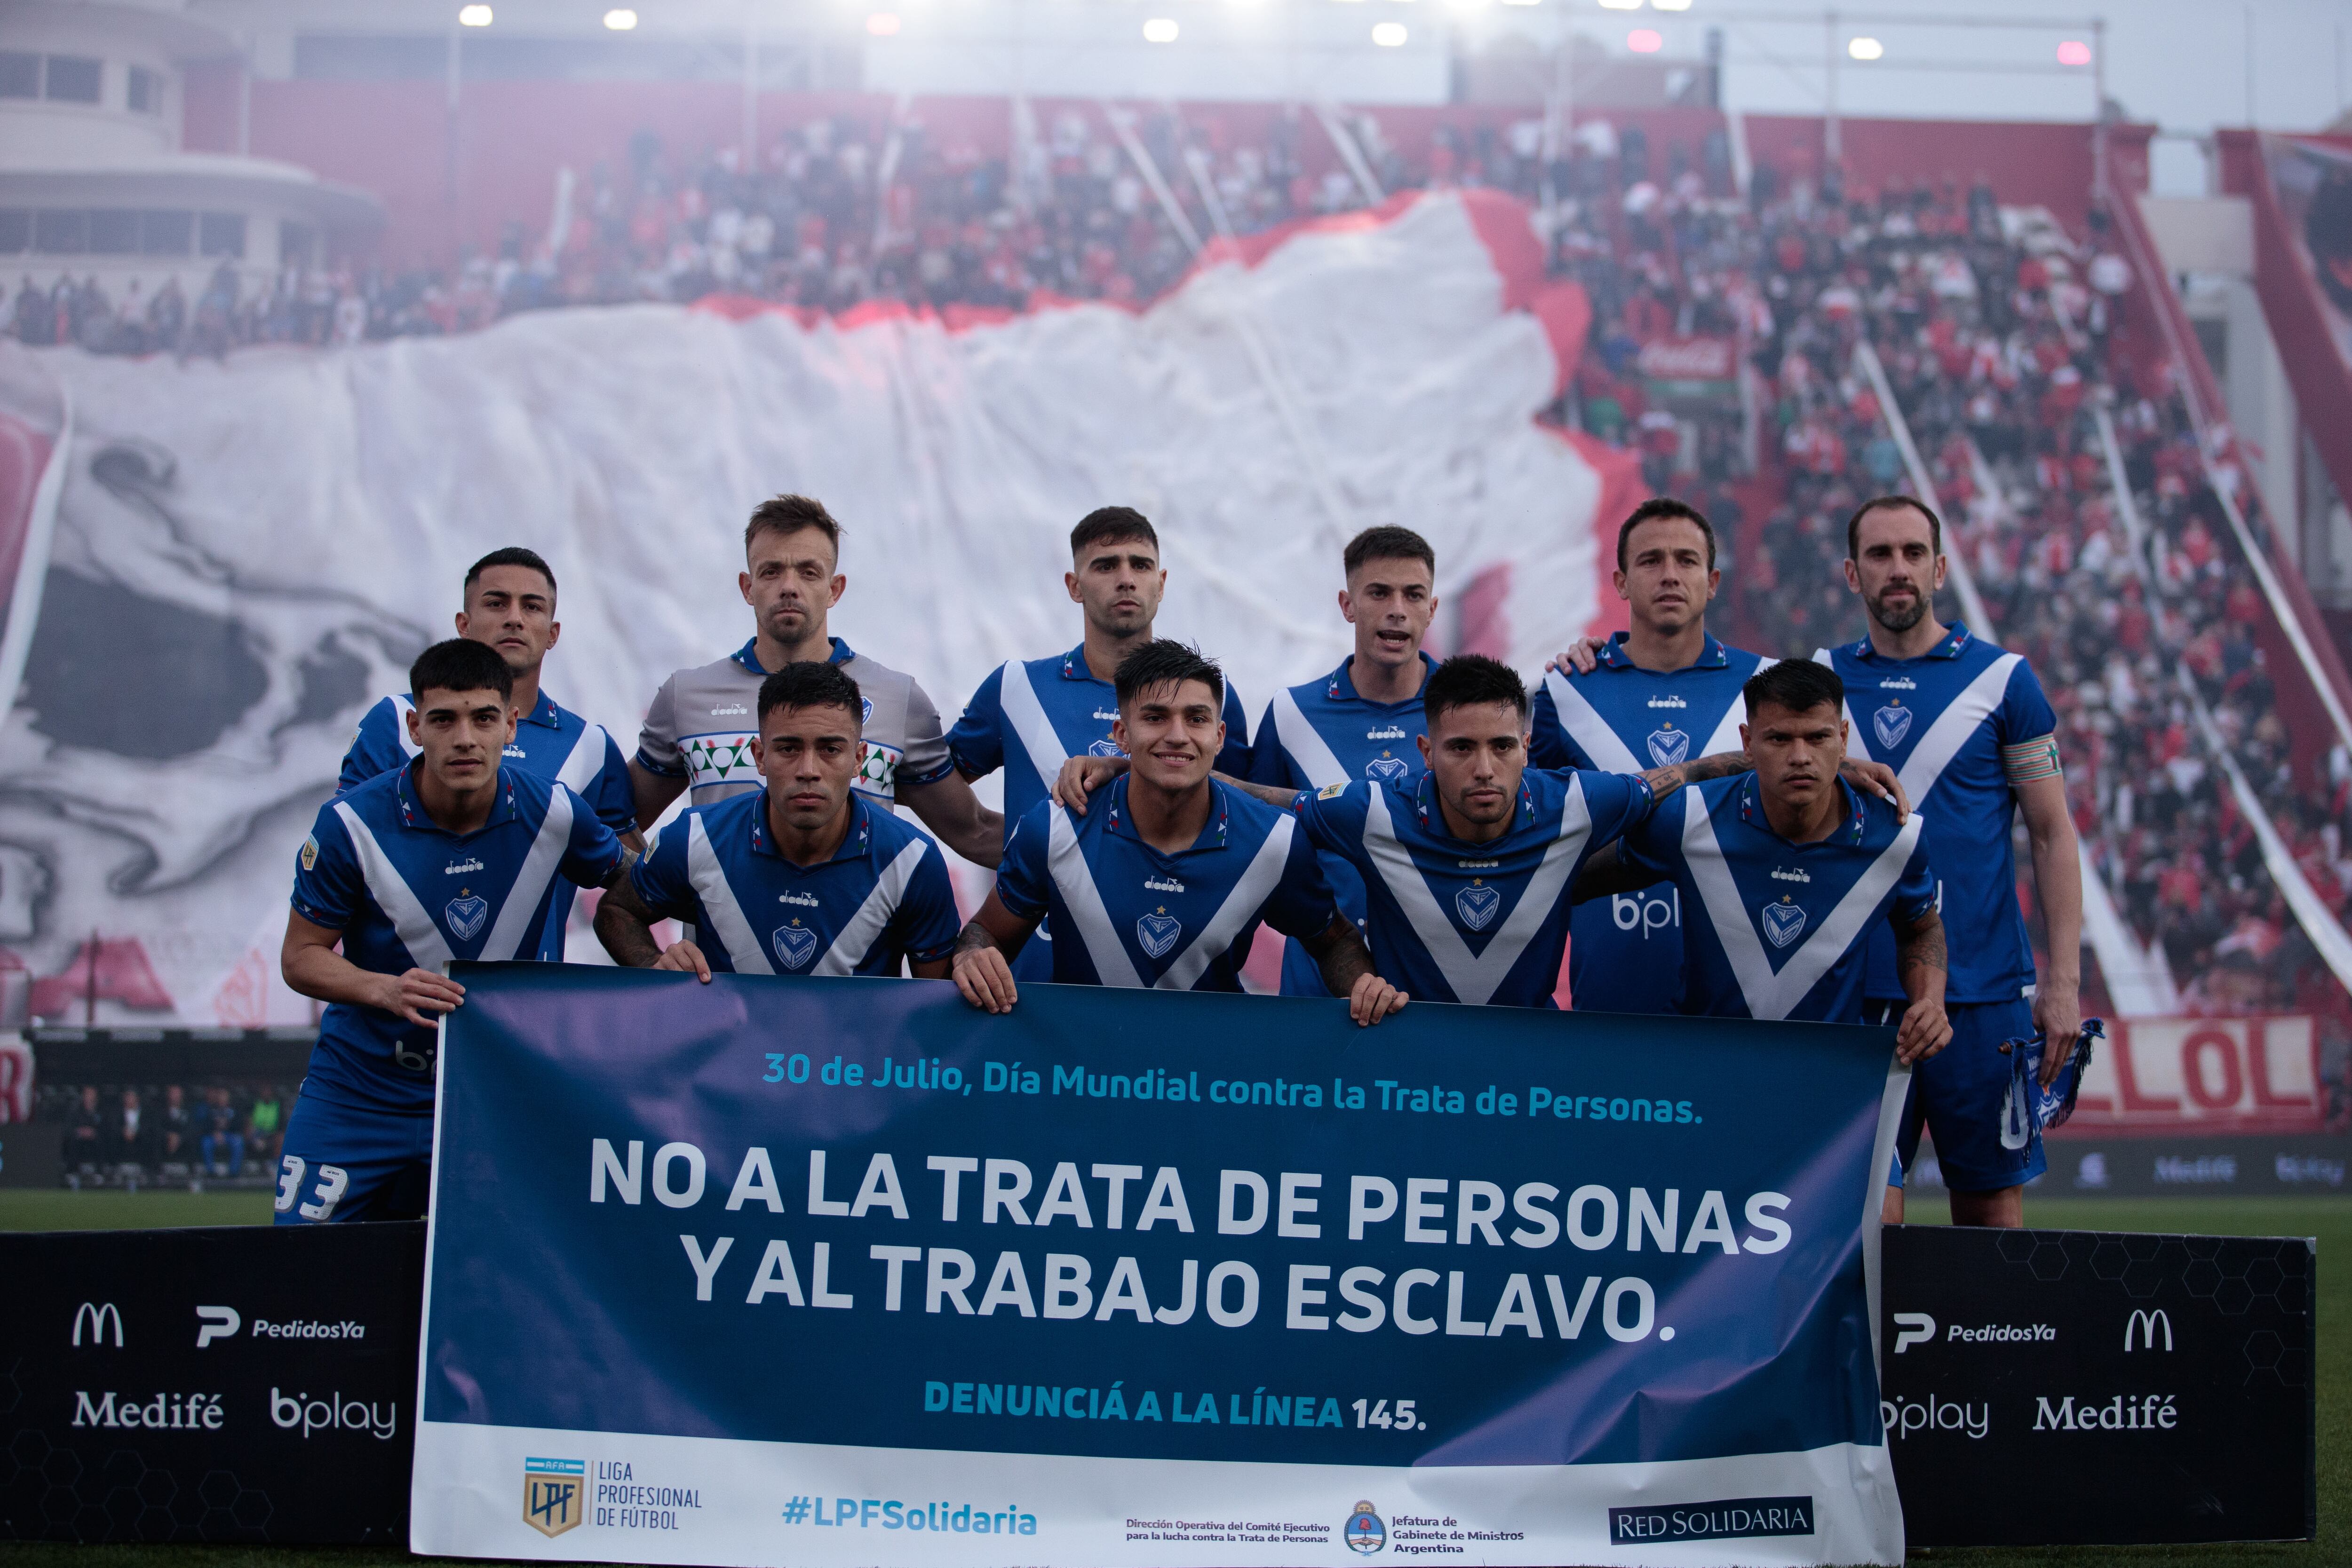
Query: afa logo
466,913
1158,931
795,944
1669,746
553,1494
1385,768
1477,905
1891,723
1783,922
1364,1531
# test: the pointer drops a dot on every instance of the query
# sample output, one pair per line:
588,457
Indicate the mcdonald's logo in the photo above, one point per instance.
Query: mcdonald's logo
97,1318
2143,1324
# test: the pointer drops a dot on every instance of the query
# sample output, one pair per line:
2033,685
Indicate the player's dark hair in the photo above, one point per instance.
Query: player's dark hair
1163,662
459,665
2327,230
512,555
1109,525
1471,680
1797,684
790,514
811,683
1884,503
1654,509
1388,542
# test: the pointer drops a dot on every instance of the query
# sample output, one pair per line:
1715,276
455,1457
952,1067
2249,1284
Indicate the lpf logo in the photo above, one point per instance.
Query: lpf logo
551,1489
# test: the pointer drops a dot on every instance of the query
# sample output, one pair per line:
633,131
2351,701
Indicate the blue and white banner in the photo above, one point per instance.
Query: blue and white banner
843,1272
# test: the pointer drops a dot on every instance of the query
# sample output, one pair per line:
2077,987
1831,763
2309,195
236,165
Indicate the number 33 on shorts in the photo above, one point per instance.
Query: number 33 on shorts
327,1185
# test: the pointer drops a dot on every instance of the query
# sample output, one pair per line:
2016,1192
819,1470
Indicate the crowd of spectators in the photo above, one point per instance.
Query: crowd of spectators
132,1135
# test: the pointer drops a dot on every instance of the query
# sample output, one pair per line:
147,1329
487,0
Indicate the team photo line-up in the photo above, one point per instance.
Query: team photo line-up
1826,840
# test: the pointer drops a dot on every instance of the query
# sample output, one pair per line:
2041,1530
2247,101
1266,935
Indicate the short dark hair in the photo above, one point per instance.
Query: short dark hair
459,665
1882,504
811,683
1655,508
790,514
1163,662
512,555
1471,680
1797,684
1388,542
1108,525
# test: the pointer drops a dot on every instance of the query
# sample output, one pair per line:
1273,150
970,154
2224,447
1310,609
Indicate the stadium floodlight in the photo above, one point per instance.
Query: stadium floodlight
473,15
1644,41
2073,52
883,23
1390,35
621,21
1864,49
1160,30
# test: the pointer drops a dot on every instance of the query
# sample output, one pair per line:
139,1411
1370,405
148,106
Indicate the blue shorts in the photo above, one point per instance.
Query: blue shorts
342,1162
1962,1095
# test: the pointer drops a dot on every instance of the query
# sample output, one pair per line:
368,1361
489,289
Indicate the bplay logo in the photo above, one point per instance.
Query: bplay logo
1903,1417
98,1318
333,1414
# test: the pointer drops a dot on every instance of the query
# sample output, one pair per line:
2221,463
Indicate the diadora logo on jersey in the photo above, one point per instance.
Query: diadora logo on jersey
1898,683
732,708
1477,905
1667,701
1783,874
1384,769
1104,748
804,900
1669,746
1106,718
1477,865
514,752
1158,931
466,913
795,944
455,866
1391,733
1163,884
1891,723
1783,922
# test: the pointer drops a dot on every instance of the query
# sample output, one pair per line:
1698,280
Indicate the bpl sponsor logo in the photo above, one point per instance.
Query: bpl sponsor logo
1903,1417
1635,911
333,1414
98,1318
1728,1519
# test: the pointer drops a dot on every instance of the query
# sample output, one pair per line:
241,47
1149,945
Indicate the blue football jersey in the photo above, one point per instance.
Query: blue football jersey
1779,930
1029,718
408,894
1322,733
1482,923
883,897
1940,721
1126,914
1624,951
551,742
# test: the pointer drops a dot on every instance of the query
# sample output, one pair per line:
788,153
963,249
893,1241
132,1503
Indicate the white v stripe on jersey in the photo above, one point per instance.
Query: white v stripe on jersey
394,897
1580,720
528,897
1474,979
702,869
1953,726
1027,717
1305,743
586,759
1251,891
856,939
1067,865
1726,734
1770,995
401,709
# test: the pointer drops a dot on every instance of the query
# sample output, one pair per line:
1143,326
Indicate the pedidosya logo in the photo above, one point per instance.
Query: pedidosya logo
1365,1532
551,1494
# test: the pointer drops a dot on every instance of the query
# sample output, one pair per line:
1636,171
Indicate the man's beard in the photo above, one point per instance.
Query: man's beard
1899,620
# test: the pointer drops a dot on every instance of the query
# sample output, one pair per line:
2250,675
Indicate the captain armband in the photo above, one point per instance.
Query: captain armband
2030,760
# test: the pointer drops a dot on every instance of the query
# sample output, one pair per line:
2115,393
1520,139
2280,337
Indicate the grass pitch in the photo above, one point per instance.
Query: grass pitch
2328,1218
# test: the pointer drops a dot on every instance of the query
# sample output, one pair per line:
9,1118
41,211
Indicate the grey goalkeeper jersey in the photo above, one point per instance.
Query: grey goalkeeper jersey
703,721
